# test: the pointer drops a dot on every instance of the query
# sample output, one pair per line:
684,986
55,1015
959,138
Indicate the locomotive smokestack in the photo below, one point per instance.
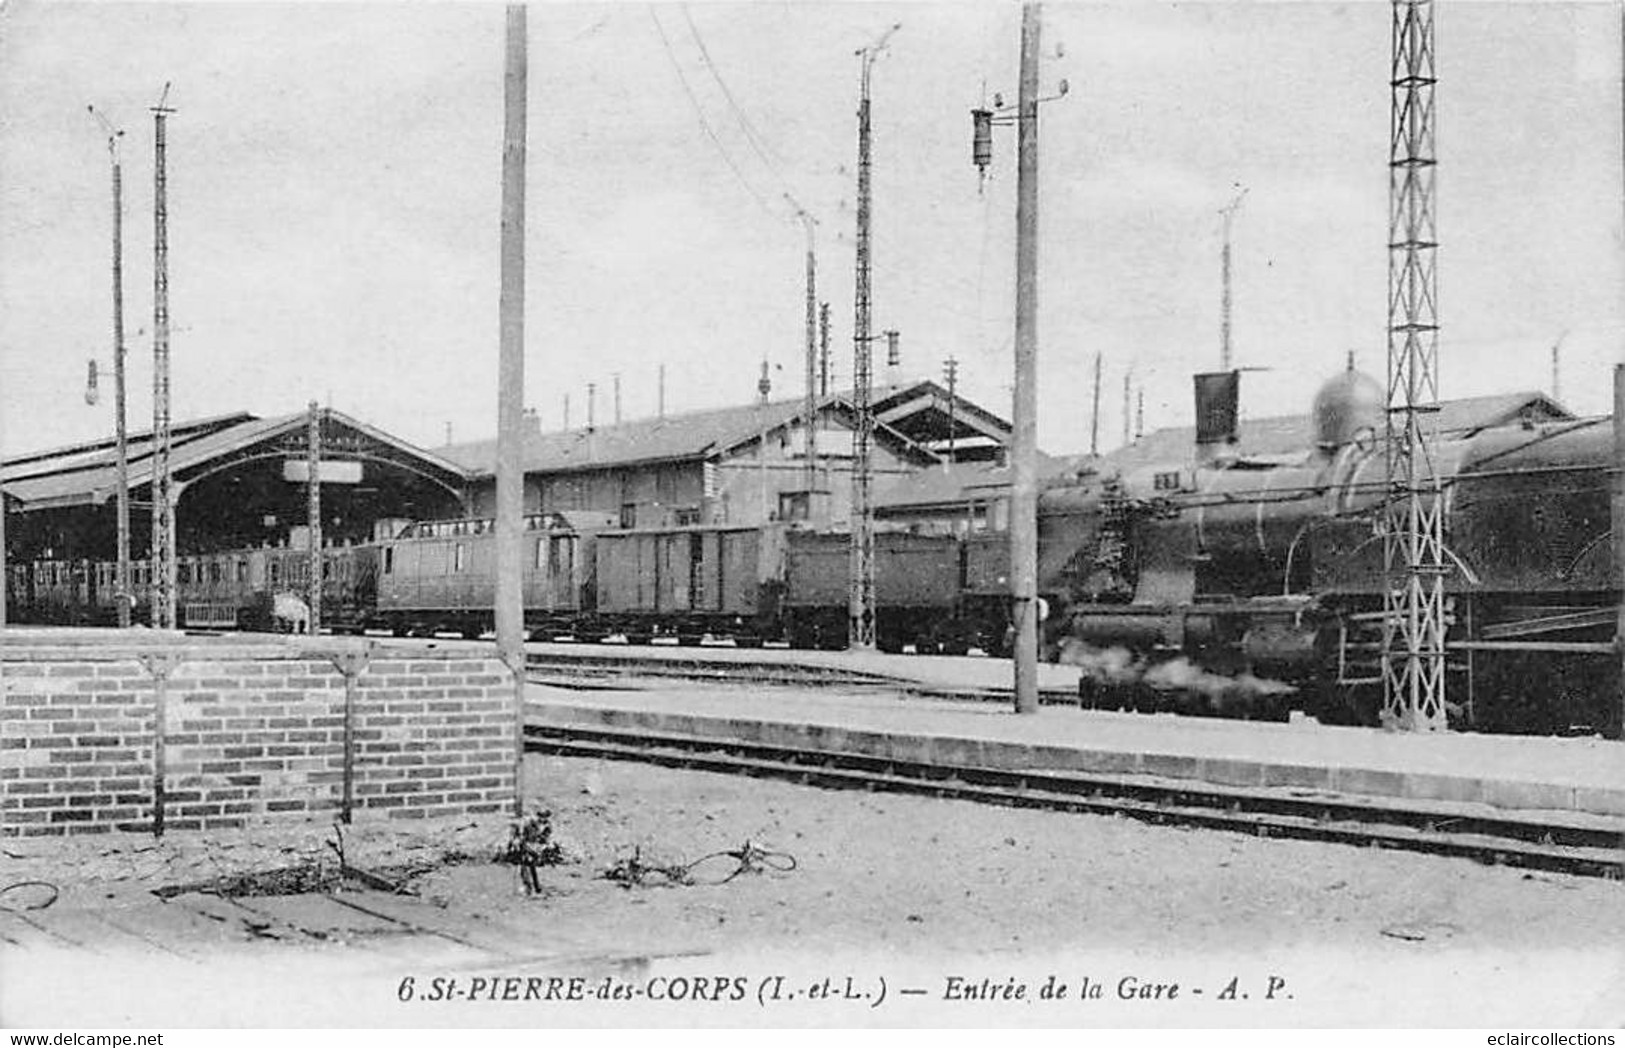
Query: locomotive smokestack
1218,399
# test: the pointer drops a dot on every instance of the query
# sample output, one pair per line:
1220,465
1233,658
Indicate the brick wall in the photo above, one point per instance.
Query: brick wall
250,732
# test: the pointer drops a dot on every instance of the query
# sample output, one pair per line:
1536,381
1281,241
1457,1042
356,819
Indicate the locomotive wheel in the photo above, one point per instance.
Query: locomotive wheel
640,638
748,640
690,640
924,646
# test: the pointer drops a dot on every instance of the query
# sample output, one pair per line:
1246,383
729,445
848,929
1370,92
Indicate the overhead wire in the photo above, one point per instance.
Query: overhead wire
699,113
752,138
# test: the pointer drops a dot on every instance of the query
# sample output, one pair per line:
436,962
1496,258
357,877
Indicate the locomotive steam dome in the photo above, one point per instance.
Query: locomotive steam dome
1346,405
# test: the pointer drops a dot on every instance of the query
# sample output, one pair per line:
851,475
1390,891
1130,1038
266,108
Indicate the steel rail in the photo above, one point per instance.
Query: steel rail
1585,846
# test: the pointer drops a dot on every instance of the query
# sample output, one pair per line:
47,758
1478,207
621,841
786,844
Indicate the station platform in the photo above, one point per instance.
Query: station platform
1577,778
965,676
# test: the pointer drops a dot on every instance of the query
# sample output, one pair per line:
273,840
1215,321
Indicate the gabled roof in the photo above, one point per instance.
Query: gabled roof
688,436
87,474
1282,434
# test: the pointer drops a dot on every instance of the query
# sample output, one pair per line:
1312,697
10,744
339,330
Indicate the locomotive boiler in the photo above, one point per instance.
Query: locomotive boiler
1254,584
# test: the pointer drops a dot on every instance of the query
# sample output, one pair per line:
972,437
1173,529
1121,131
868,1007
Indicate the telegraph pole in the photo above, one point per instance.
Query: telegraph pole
861,599
950,371
660,403
1413,655
509,612
313,514
617,398
163,492
1094,413
121,430
1229,213
1128,395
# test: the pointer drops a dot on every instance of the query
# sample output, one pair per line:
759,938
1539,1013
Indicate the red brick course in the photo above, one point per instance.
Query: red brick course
248,739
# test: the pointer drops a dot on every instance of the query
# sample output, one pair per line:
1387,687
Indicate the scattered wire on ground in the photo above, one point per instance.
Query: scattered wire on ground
35,905
748,858
631,871
531,845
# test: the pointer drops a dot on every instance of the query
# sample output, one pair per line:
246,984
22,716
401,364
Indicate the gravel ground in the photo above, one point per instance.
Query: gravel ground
917,892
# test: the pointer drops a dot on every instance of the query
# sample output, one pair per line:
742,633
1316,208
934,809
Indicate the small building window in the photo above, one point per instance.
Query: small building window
629,514
389,560
459,557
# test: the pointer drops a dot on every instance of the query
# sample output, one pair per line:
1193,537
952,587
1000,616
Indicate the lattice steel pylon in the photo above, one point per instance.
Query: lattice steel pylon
162,556
861,598
1413,653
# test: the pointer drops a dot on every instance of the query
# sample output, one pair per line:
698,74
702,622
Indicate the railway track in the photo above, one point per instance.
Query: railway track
1584,846
568,669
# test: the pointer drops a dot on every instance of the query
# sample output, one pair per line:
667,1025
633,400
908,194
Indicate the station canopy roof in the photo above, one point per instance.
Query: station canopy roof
912,418
87,474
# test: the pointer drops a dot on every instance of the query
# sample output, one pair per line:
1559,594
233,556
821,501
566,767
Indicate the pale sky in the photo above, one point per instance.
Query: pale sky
334,190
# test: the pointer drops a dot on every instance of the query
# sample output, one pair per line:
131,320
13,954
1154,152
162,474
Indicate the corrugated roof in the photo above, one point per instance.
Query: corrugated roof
690,435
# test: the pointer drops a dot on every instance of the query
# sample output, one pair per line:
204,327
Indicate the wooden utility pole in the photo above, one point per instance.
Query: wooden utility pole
510,608
1024,439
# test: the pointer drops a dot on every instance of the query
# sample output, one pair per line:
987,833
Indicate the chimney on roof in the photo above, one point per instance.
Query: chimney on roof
533,421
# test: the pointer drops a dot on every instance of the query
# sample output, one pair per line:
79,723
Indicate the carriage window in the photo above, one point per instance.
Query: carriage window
541,553
276,572
389,560
214,571
242,571
459,557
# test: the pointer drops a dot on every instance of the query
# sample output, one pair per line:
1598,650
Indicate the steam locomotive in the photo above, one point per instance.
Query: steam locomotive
1226,584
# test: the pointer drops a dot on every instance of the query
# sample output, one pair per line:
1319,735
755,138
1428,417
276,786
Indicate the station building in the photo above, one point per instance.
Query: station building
240,480
739,465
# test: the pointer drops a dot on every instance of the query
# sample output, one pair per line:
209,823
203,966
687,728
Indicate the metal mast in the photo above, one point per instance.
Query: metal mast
163,493
1229,213
313,514
1413,539
121,427
809,406
823,350
950,371
861,598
